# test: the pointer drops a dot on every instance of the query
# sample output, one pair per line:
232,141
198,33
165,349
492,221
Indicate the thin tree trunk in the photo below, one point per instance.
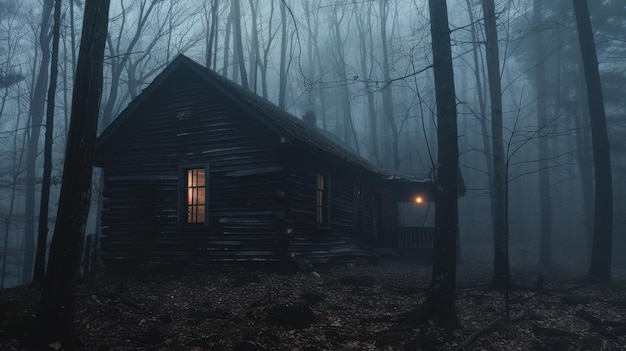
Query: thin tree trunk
601,254
364,26
585,163
500,224
482,119
38,103
545,201
56,309
346,110
229,22
42,240
255,51
17,165
282,79
387,92
241,63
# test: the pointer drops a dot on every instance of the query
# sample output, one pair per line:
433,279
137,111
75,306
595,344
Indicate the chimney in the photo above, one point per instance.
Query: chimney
309,118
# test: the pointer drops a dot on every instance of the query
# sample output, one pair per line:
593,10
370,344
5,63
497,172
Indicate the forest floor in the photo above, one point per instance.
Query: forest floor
355,306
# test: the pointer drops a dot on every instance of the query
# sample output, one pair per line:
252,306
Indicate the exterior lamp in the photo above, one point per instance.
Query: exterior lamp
419,199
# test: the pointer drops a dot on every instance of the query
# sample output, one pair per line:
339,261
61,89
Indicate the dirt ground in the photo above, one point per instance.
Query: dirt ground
349,306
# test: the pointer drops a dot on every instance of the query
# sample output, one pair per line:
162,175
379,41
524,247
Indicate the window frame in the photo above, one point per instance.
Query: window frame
323,209
358,193
183,206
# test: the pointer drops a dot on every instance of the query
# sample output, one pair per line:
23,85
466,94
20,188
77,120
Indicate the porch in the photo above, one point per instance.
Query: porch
415,243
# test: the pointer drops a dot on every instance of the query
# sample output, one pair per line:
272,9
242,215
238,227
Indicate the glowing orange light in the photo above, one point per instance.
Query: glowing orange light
419,199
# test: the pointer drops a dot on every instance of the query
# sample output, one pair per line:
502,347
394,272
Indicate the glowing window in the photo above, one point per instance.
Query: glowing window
196,195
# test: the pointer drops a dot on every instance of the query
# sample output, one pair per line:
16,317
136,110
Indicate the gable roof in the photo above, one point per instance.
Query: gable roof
278,120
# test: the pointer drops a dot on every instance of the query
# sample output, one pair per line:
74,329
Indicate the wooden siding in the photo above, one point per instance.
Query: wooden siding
141,209
261,184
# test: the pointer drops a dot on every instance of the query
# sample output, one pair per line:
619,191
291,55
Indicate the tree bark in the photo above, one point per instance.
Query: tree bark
241,63
440,302
387,92
545,200
282,79
37,107
500,223
42,238
212,33
364,26
255,52
56,309
482,119
601,255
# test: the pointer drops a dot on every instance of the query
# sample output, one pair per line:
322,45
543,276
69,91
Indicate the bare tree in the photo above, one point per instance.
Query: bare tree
211,20
56,309
545,201
37,106
364,27
601,254
387,93
42,238
339,55
120,52
241,64
282,75
500,223
263,63
440,302
255,50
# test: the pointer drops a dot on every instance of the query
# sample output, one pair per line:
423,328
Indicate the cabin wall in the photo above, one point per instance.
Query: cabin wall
352,229
186,124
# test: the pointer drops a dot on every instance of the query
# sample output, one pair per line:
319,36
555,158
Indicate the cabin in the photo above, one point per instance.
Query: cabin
198,169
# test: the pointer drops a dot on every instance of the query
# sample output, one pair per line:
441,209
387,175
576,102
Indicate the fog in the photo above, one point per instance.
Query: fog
365,69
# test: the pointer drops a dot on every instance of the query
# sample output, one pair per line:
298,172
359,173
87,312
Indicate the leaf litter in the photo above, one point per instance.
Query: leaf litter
353,306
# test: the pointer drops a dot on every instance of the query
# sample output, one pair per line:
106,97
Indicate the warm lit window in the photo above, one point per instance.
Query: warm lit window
322,199
196,195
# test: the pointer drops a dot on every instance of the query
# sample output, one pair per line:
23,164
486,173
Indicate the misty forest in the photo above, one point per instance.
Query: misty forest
312,175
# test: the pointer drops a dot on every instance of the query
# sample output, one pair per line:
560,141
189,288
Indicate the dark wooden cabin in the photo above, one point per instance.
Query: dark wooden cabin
199,169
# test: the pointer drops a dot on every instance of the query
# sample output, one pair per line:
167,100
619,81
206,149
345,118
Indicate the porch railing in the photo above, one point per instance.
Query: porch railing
415,241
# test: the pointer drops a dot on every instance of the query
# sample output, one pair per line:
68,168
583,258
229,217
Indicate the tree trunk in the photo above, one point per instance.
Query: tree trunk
42,238
387,92
56,309
500,224
482,119
282,79
585,162
349,133
211,35
266,51
364,26
17,165
37,106
545,200
446,207
440,302
229,22
241,63
254,48
600,267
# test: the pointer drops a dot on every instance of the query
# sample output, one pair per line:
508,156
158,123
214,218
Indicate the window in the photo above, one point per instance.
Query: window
322,199
195,195
357,209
